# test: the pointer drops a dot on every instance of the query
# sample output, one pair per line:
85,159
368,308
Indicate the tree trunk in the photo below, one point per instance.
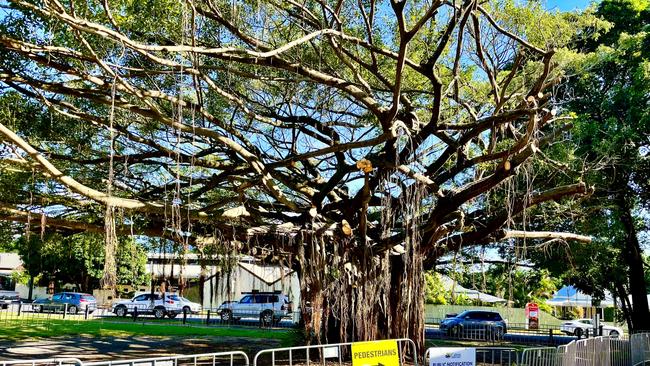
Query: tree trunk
406,300
634,259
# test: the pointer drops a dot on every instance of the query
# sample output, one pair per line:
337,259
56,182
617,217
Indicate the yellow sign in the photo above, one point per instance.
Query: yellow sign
378,353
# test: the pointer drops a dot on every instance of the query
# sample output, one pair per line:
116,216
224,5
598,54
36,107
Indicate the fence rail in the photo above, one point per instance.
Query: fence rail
67,361
326,354
598,351
234,358
27,313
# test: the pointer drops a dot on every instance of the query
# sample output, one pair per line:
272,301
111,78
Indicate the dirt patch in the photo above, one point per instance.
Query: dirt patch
106,348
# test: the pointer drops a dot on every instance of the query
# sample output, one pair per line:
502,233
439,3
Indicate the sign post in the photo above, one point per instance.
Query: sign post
384,353
532,316
452,356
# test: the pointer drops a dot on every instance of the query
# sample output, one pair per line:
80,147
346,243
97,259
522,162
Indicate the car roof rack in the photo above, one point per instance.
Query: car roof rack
258,292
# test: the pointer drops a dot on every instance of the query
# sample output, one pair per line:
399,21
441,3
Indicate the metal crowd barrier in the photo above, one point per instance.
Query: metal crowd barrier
544,356
597,351
640,348
326,354
44,362
234,358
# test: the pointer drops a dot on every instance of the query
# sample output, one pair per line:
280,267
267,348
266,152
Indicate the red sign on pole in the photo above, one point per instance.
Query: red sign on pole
532,316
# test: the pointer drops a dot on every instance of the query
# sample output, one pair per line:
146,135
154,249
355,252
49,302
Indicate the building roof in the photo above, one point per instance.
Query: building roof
9,262
571,296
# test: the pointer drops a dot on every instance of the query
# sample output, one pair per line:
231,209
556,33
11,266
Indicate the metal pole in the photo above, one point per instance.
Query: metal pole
207,320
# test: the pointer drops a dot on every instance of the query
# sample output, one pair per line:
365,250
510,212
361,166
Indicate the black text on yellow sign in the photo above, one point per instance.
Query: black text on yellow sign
378,353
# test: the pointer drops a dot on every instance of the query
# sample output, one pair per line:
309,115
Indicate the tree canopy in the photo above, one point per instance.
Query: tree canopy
358,141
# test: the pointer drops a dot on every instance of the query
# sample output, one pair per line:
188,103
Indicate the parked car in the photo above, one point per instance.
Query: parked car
187,306
146,304
488,324
268,307
75,301
579,328
8,297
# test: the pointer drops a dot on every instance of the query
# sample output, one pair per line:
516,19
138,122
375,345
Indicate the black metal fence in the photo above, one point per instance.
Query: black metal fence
33,313
27,314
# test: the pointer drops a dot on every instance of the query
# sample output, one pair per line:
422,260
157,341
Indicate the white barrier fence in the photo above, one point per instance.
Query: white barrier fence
327,354
640,346
235,358
598,351
44,362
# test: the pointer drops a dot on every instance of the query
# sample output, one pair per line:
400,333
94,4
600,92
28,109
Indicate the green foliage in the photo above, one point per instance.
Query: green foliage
434,292
517,285
131,261
610,100
79,259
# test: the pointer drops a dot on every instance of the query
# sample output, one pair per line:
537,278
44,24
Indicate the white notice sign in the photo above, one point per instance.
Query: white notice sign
331,352
452,356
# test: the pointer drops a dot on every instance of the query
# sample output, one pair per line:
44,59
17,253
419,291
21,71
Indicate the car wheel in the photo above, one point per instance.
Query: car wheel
226,316
159,313
614,333
72,309
120,311
578,332
266,318
37,309
172,315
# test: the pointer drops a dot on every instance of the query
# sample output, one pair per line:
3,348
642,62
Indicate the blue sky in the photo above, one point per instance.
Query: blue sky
566,5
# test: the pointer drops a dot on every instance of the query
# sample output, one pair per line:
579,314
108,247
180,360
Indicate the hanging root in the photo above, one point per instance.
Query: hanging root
109,278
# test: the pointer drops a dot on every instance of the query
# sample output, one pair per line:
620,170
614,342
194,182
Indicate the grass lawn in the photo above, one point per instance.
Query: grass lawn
15,330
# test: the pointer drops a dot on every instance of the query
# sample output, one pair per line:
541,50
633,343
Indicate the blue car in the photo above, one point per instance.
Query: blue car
475,323
76,302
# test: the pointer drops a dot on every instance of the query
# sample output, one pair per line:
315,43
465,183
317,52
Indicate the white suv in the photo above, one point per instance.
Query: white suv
579,327
268,307
145,304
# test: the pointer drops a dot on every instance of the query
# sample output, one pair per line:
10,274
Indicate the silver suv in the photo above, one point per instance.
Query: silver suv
268,307
145,304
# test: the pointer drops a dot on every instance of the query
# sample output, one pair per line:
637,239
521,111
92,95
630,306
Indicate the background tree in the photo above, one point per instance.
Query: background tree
609,93
78,260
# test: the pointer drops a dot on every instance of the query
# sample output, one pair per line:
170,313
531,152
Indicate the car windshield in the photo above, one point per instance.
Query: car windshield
88,297
174,297
463,314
